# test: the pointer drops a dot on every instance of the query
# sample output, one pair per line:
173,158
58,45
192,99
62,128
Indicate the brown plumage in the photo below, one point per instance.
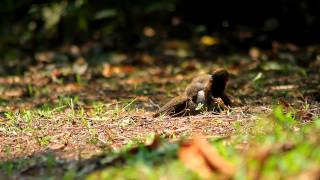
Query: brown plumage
178,106
220,78
201,83
201,90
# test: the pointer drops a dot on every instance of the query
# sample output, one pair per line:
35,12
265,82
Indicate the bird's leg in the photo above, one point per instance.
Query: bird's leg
219,104
226,100
182,111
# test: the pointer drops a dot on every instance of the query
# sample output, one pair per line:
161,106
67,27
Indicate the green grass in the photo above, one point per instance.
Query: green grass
268,132
59,138
264,133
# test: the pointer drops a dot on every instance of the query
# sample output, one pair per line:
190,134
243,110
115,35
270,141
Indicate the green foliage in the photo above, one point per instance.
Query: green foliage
98,108
147,163
8,167
69,175
285,119
93,136
29,23
11,117
199,106
30,90
27,116
44,141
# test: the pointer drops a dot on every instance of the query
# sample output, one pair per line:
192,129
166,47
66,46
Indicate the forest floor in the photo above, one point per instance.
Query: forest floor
62,117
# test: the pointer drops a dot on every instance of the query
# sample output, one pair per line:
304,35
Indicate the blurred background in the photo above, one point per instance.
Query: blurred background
95,28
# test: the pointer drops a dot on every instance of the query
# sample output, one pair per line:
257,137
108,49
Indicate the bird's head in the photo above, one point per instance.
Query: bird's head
220,74
219,81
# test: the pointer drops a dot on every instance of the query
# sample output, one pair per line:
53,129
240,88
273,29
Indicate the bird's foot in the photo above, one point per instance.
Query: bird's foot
218,104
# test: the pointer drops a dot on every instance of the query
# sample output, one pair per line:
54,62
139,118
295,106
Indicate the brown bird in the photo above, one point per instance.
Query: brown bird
178,106
202,89
219,82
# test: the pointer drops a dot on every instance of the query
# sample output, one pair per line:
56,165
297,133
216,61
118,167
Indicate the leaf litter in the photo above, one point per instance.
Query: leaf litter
71,132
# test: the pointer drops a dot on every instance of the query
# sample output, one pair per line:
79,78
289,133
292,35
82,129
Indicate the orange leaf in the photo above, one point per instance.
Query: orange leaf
209,40
201,157
254,53
12,93
109,70
149,31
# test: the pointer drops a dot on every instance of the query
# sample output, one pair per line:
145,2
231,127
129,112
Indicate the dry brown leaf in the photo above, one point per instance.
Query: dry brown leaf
304,115
292,47
68,87
175,44
12,93
201,157
155,143
209,40
134,81
57,146
284,87
46,56
191,156
255,53
149,31
143,98
72,87
109,70
152,145
10,80
311,173
147,59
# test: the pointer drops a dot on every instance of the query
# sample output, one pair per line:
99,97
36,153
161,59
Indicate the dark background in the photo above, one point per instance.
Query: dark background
34,25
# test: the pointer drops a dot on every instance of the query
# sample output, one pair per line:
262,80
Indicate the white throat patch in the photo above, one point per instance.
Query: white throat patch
201,97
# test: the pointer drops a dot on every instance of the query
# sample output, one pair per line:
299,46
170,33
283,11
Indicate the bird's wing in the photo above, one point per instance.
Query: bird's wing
175,105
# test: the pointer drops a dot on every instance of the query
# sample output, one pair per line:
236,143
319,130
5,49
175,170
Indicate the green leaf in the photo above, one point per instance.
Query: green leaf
199,106
106,13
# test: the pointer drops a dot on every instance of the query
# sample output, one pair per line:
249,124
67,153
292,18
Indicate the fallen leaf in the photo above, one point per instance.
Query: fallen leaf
304,115
151,145
147,59
255,53
191,65
201,157
74,50
175,44
10,80
57,146
80,66
154,143
70,87
284,87
292,47
109,70
245,35
271,66
11,93
191,156
149,31
311,173
209,40
46,56
175,21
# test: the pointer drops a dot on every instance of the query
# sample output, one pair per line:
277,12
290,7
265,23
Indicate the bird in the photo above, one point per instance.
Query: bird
203,89
181,105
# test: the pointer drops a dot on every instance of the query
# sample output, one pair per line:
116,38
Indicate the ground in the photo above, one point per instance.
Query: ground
71,111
